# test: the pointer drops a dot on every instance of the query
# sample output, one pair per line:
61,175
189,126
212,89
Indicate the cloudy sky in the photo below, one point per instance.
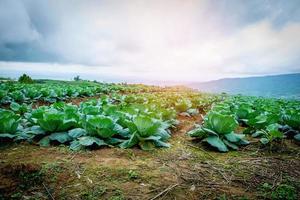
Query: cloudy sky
171,40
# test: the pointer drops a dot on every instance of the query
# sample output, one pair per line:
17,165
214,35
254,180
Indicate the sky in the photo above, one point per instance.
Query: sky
149,40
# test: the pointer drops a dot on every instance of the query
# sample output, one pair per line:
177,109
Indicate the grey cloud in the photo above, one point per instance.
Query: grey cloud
43,16
15,23
153,35
279,12
23,28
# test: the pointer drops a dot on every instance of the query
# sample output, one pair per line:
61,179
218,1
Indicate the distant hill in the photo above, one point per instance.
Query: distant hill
286,86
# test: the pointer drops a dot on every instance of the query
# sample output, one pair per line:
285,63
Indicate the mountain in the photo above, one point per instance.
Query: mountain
286,86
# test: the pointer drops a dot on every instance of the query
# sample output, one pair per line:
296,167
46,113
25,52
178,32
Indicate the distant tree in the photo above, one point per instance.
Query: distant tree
77,78
25,79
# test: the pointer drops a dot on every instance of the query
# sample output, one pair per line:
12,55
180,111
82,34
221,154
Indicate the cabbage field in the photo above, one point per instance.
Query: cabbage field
89,140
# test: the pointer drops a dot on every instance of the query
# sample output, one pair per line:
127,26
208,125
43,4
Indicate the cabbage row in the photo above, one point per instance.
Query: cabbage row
60,91
270,119
119,120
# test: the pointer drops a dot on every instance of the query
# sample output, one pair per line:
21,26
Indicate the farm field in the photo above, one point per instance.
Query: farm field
90,140
150,100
